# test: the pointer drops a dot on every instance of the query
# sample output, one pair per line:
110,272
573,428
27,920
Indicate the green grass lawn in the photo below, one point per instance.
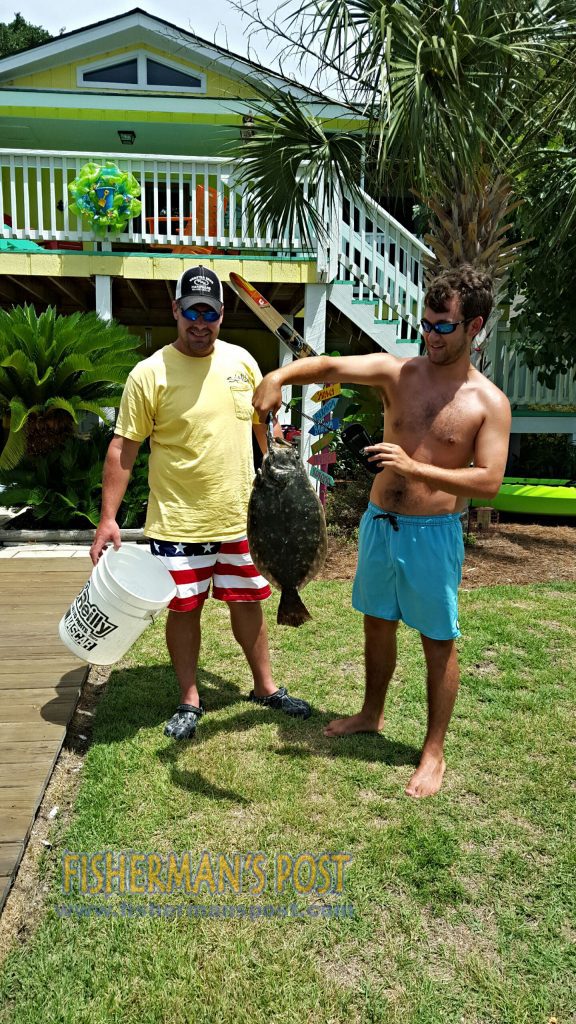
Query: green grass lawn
462,903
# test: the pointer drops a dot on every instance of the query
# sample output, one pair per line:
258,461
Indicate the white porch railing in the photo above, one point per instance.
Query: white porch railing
198,202
521,384
384,261
193,202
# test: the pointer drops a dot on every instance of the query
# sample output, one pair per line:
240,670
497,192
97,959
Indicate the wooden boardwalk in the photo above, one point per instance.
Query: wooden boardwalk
40,682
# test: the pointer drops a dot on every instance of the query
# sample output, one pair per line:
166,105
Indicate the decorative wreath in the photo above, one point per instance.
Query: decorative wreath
105,196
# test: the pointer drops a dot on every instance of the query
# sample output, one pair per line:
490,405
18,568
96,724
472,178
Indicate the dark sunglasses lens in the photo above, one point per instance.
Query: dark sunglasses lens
210,316
440,328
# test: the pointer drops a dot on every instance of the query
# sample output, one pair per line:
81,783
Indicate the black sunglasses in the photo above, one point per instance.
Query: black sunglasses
210,315
443,326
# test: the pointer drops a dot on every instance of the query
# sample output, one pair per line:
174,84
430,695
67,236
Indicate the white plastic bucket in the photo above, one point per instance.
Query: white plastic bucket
127,590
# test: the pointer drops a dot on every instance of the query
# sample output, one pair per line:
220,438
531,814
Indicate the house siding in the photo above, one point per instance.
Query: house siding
66,77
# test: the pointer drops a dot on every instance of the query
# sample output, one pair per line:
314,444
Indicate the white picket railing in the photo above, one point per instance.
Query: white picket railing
199,202
196,201
384,261
521,384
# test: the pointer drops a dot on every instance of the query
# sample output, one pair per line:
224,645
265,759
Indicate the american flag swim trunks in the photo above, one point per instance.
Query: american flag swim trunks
227,563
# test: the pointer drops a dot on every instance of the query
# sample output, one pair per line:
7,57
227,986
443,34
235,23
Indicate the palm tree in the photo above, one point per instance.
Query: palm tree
455,94
53,370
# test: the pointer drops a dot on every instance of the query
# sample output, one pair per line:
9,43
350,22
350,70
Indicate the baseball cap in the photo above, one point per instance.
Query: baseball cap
200,285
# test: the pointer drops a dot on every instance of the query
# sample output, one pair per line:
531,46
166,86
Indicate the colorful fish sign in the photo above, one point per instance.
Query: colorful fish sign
325,410
323,442
324,427
323,477
322,459
327,392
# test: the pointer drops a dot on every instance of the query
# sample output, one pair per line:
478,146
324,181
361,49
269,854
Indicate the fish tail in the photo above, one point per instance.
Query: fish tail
292,611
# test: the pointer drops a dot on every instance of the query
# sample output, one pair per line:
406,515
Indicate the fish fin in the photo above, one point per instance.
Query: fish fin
292,611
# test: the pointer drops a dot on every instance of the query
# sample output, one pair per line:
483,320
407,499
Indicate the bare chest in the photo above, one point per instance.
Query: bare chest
447,422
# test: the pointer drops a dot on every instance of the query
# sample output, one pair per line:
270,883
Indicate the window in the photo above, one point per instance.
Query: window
163,74
144,73
125,73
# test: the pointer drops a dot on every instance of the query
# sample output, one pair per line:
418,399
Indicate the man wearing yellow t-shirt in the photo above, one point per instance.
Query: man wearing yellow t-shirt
193,399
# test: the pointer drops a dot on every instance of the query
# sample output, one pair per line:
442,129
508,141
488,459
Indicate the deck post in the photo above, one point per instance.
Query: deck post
103,284
103,296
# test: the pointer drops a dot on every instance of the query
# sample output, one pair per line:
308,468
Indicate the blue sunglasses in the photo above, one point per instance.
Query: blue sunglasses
209,315
443,326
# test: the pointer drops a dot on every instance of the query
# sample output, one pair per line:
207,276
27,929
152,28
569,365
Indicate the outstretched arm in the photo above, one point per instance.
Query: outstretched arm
374,370
120,459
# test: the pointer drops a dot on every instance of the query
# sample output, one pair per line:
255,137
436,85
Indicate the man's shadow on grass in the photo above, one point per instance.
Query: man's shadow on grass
297,738
305,738
138,698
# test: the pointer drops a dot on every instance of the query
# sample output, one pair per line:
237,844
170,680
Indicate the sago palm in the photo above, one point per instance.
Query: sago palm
62,490
53,370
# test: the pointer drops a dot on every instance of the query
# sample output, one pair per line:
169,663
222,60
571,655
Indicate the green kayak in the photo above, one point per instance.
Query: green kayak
534,497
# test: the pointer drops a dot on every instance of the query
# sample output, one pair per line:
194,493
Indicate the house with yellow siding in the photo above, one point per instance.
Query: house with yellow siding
168,107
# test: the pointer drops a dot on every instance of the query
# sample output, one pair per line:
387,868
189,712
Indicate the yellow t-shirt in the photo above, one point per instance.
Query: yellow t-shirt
198,415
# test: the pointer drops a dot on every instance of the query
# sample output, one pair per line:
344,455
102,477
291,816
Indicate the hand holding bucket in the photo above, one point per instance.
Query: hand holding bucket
127,590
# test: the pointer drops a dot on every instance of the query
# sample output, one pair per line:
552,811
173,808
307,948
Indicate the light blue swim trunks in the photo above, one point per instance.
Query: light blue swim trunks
409,568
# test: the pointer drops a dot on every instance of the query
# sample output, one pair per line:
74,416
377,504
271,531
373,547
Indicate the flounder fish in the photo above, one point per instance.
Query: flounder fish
286,529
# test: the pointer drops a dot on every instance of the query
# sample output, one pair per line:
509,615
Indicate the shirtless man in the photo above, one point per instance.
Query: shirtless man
446,431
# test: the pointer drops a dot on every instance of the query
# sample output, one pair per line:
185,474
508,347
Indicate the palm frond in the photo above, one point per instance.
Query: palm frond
455,83
13,450
103,377
71,365
295,165
24,366
64,404
102,410
19,414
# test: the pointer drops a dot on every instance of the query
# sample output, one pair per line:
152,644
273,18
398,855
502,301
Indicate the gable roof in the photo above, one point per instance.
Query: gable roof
136,27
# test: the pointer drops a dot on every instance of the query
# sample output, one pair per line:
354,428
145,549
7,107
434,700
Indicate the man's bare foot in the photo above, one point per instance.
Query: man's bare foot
352,724
427,778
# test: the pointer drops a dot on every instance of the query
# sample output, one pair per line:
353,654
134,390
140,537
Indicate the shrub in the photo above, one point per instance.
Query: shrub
53,370
63,489
547,456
